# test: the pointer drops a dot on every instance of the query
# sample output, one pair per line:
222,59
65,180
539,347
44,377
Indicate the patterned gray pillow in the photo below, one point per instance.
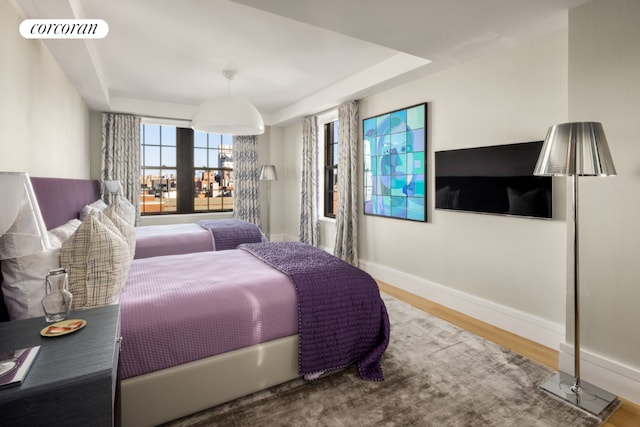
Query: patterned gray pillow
97,259
127,230
125,209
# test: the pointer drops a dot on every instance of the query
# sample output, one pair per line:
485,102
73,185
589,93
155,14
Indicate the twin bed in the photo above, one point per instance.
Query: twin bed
203,236
204,328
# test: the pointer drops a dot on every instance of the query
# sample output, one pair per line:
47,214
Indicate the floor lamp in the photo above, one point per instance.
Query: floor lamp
576,149
268,173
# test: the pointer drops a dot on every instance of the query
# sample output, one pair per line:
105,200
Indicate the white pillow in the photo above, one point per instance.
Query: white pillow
98,205
65,231
23,286
97,259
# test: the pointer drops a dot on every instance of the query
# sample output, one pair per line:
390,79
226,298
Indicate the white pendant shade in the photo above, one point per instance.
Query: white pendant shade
228,115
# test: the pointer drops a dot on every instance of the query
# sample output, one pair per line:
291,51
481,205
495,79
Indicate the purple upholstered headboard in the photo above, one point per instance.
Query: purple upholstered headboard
60,200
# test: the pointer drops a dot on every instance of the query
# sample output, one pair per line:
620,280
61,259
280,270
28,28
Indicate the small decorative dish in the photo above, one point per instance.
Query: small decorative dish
63,328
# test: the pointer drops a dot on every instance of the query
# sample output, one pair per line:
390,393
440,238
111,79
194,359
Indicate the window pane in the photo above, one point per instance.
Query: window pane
168,135
200,157
199,139
213,158
148,201
151,134
168,156
214,140
331,170
147,176
226,158
151,155
165,189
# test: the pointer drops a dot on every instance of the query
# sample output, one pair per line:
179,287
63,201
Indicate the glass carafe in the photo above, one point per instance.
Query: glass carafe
57,302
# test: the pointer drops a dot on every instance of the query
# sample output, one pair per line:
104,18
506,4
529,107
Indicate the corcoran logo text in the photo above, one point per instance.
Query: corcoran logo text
64,28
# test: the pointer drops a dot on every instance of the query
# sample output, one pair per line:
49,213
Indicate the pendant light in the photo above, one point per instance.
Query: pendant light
228,114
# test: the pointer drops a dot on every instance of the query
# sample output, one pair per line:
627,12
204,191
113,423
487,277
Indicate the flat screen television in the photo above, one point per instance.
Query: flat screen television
495,180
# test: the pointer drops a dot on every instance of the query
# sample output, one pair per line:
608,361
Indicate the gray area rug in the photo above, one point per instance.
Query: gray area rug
436,374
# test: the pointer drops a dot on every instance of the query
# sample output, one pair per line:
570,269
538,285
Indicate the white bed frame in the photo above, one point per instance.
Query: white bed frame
175,392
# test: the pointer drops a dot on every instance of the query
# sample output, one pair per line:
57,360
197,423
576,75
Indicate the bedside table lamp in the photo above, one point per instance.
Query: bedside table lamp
113,187
22,229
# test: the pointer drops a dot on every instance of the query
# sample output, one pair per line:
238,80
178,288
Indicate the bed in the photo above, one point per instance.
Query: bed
201,236
173,385
153,240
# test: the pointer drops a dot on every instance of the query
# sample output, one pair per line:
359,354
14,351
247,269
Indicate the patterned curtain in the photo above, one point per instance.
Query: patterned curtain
246,201
309,229
121,155
346,245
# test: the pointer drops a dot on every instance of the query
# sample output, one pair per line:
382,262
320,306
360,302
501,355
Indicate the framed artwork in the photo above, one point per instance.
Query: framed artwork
395,164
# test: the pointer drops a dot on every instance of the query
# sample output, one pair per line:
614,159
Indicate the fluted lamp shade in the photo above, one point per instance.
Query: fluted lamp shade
22,228
578,148
268,173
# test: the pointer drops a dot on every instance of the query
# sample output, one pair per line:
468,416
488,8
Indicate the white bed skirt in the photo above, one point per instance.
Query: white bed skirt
162,396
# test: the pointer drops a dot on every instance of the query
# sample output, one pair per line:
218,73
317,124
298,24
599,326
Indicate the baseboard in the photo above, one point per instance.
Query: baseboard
542,331
614,377
282,238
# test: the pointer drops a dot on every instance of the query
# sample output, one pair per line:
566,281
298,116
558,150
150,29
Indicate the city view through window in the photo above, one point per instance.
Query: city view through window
210,166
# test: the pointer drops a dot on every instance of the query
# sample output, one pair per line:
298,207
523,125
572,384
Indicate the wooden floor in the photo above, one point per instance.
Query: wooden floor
628,415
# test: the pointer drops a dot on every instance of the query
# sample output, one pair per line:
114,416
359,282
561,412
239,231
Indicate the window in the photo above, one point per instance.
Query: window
331,169
158,181
213,172
183,171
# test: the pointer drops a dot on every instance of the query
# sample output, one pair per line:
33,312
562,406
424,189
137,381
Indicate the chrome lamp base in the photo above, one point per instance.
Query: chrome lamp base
590,398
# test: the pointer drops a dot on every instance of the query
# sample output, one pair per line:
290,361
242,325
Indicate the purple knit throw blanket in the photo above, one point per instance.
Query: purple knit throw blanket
342,318
229,233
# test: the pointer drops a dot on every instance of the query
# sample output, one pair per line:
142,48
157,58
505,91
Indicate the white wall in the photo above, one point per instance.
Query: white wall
287,206
604,86
269,152
511,96
513,272
44,123
515,264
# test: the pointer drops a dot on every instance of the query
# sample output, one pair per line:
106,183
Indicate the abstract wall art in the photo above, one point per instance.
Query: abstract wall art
395,164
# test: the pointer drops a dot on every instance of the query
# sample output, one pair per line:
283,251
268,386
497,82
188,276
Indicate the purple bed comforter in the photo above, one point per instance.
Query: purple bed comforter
230,233
202,236
343,319
180,308
171,239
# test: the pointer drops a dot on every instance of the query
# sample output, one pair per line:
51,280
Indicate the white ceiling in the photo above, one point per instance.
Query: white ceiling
292,57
